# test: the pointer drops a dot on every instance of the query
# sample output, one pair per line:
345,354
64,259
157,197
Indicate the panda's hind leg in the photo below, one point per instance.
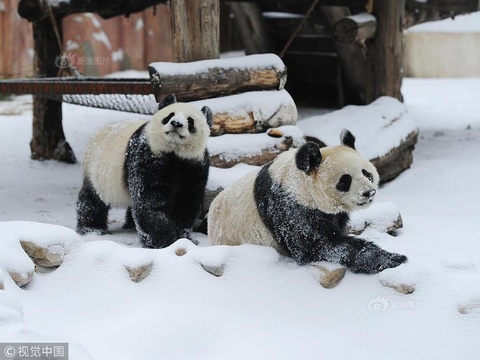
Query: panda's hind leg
92,212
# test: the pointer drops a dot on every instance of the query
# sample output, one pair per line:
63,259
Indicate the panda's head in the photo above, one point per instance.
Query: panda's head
181,129
336,178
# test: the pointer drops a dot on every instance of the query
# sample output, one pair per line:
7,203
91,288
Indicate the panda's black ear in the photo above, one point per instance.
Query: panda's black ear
167,100
208,115
308,157
347,139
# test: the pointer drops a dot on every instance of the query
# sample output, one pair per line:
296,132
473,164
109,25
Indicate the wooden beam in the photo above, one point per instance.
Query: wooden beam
195,29
35,10
417,12
355,29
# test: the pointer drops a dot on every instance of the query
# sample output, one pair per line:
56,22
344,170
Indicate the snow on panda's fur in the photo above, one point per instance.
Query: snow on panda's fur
157,169
299,204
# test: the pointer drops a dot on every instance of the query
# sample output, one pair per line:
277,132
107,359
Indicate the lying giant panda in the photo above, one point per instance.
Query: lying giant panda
299,204
156,169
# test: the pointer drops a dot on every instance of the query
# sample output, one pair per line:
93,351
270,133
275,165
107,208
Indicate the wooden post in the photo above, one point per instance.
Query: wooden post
48,138
385,54
249,22
195,29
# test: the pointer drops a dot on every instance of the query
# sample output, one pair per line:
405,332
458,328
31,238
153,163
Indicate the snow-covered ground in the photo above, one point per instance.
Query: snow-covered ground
264,306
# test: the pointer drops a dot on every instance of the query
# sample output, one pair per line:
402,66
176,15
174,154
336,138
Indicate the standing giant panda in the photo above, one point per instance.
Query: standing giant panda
299,204
157,169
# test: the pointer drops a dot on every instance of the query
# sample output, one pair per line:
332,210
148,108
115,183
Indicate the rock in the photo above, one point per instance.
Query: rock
274,132
216,270
382,216
21,279
469,307
328,275
399,287
180,251
49,256
139,273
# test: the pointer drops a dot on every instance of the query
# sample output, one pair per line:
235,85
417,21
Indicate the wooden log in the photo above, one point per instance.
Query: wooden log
212,78
252,149
386,52
195,29
251,112
355,29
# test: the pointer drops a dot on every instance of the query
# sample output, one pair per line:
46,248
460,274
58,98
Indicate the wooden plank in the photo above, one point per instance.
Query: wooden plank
195,29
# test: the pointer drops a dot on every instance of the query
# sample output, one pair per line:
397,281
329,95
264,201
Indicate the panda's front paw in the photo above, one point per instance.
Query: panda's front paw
371,259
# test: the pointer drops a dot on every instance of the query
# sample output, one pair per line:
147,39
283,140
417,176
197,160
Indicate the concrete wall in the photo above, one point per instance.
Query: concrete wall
436,54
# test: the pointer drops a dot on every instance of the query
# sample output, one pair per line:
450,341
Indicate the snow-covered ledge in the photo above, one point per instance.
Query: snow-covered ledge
385,133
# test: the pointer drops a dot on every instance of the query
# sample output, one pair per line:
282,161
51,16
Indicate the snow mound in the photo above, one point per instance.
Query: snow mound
22,241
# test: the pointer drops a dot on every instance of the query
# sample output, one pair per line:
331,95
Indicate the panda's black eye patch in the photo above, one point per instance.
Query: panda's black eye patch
368,175
191,125
167,119
344,183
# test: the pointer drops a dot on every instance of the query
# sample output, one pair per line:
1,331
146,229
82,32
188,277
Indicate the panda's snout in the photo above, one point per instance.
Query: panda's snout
176,124
369,194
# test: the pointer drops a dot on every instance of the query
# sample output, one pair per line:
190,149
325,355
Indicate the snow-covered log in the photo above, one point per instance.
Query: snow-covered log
253,149
251,112
386,134
205,79
355,28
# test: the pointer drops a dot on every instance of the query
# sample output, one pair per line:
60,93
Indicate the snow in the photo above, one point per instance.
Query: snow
469,23
204,66
387,116
263,306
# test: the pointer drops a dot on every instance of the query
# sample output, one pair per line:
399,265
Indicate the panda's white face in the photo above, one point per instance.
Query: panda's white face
332,179
179,128
347,179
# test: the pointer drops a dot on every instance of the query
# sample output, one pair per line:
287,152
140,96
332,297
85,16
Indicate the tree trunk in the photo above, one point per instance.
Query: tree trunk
195,29
48,139
385,54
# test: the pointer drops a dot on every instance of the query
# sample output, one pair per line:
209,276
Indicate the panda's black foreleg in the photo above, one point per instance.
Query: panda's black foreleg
360,256
154,227
92,212
129,222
